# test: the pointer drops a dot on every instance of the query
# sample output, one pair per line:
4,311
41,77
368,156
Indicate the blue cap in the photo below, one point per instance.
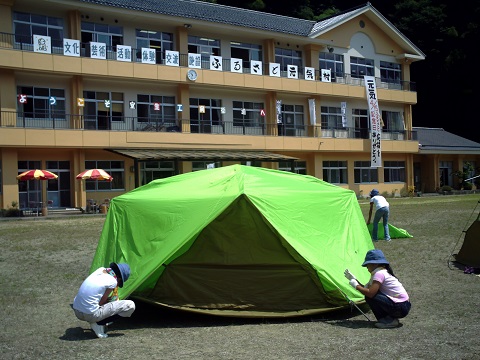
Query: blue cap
122,271
374,192
375,257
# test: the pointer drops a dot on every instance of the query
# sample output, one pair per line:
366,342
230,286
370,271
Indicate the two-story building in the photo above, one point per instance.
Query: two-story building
147,90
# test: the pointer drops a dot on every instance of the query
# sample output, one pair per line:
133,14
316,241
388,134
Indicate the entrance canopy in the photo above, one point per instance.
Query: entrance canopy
142,155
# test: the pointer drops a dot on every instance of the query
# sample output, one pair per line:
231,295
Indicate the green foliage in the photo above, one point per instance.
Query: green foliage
464,174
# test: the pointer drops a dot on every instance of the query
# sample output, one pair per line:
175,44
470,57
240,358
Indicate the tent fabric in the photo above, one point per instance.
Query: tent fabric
469,253
251,241
395,233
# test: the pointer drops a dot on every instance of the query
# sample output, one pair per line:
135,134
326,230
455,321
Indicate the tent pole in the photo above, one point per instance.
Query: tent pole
351,302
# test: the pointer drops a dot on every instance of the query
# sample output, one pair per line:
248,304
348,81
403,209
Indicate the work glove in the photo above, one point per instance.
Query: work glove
354,283
348,274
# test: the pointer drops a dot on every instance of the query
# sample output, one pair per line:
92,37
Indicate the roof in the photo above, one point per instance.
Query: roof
201,155
439,141
200,10
204,11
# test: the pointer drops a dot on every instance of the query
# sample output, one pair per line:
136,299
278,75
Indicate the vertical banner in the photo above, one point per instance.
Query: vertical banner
375,121
279,112
311,108
344,113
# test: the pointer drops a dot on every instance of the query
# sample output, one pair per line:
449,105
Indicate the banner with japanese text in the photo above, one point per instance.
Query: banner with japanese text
375,121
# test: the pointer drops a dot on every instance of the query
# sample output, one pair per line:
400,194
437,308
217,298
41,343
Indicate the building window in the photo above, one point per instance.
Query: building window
335,172
1,177
205,115
394,171
102,109
160,41
286,57
247,114
110,35
157,110
392,121
205,47
300,167
114,167
359,67
254,163
202,165
38,102
58,191
361,123
246,52
390,72
152,170
364,174
446,171
333,62
292,120
331,117
29,192
26,25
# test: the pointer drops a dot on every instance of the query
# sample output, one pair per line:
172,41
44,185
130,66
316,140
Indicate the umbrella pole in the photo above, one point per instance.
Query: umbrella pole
36,194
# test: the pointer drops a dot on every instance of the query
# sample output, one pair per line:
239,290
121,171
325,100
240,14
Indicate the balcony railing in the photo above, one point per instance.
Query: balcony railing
25,43
42,120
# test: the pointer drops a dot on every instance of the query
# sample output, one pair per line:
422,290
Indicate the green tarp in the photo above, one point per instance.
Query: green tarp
238,240
395,233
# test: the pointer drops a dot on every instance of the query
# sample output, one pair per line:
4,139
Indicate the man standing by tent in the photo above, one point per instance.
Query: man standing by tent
97,299
382,211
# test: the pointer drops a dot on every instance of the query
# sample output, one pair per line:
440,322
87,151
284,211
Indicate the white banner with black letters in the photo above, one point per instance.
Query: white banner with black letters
375,121
311,108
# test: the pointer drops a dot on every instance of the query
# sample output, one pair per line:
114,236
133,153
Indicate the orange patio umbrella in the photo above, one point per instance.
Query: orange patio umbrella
94,174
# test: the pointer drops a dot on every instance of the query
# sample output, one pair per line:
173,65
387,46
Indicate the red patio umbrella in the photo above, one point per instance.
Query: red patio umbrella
37,175
94,174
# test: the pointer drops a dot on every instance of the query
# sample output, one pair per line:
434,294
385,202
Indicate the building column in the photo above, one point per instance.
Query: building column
74,25
271,113
409,173
9,157
78,165
268,51
8,98
183,97
76,122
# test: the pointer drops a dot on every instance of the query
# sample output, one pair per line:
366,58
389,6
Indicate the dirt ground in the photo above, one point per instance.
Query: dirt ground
43,262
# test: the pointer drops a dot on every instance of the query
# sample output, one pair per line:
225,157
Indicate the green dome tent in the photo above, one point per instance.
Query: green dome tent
238,241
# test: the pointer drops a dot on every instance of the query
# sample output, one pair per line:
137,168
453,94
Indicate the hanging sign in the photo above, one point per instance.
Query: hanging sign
375,121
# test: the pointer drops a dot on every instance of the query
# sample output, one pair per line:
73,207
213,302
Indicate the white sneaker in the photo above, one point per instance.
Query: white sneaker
99,330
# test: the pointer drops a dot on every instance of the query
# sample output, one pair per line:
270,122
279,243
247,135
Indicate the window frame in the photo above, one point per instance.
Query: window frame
359,67
34,25
363,173
333,62
394,171
335,171
117,172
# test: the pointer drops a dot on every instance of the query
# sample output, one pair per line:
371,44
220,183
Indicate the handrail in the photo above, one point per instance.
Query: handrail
62,121
25,43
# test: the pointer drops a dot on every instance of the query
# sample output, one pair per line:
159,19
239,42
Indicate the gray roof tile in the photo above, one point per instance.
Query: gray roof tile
439,139
199,10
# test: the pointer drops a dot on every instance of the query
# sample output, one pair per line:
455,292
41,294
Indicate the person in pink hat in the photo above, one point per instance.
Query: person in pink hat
97,299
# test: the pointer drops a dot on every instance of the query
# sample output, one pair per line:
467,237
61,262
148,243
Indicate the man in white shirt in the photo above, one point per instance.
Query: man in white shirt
97,299
382,212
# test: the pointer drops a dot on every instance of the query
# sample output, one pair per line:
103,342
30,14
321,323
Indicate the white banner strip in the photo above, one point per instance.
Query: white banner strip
375,121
